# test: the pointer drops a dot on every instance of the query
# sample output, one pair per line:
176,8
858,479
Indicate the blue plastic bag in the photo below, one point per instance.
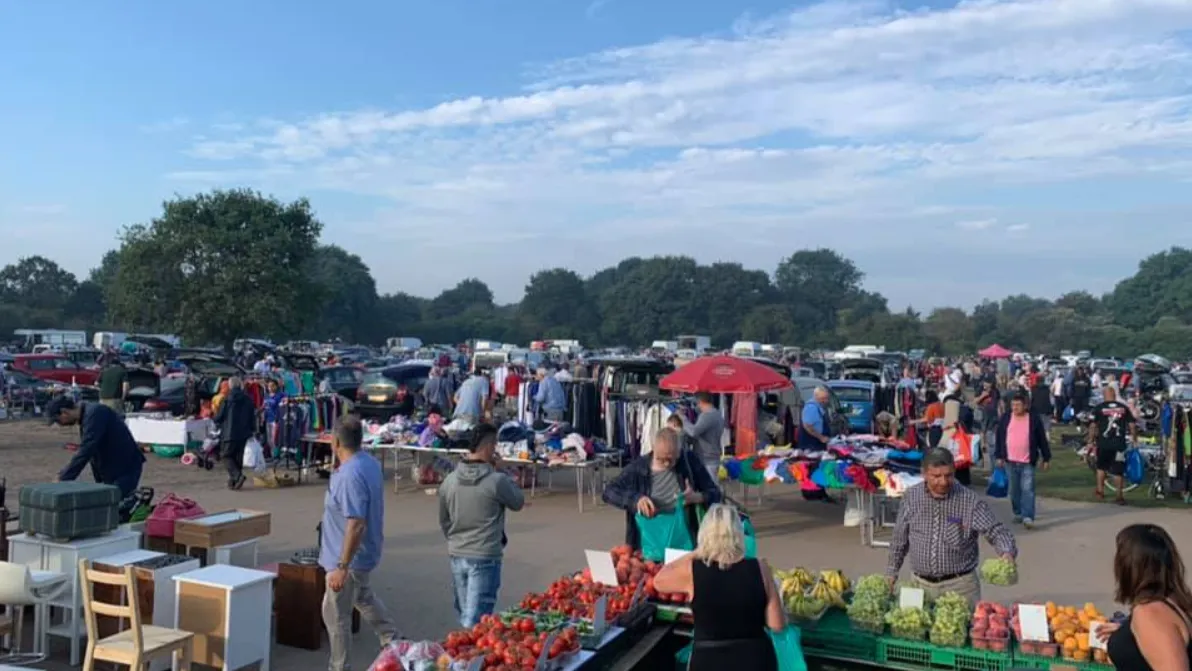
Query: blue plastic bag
1069,414
664,530
1135,470
788,646
999,484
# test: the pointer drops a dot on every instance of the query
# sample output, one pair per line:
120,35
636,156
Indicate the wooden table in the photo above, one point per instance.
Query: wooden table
230,610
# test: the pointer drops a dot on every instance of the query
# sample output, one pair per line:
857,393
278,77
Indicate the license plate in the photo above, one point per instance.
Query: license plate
377,398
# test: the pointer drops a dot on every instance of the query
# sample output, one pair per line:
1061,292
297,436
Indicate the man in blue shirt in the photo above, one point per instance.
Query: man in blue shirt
105,443
352,533
473,399
551,397
814,431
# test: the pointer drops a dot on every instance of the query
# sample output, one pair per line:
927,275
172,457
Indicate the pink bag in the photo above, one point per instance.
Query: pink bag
160,522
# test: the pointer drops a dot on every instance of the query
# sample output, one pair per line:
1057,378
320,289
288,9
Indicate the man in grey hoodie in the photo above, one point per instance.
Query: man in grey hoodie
472,503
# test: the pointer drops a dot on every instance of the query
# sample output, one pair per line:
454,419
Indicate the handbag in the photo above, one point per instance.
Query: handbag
664,530
788,647
160,522
999,484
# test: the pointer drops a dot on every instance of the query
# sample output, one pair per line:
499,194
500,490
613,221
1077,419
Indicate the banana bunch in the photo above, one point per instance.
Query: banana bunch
826,593
836,580
805,607
799,579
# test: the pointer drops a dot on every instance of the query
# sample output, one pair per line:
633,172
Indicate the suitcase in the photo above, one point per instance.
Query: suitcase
69,510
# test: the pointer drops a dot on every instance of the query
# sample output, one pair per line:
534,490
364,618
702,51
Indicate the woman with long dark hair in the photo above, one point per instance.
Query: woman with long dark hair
1150,580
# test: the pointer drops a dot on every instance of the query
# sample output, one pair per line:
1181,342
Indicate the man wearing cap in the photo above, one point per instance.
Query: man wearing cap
105,443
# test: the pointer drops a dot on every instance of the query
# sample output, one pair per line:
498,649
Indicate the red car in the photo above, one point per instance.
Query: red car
55,368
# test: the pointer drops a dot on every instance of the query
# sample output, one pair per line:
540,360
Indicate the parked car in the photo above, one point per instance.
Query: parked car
55,368
377,394
858,400
171,398
208,367
345,380
87,357
28,390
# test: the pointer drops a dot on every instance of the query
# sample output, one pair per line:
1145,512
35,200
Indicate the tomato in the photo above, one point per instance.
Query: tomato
526,625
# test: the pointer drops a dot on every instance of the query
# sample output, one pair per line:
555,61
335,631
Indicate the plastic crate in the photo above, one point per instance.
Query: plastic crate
1046,663
900,653
834,638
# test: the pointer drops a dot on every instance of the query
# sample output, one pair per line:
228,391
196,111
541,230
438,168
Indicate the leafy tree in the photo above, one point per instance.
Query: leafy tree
37,282
773,323
556,304
347,297
950,330
1162,287
817,284
226,264
458,299
657,299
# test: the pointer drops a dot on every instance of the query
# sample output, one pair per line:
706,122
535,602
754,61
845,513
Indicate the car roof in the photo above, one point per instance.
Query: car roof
43,355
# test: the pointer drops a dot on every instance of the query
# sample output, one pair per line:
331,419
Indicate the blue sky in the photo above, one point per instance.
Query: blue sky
954,151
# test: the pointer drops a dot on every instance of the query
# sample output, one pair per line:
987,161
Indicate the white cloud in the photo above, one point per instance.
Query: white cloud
846,107
1018,228
166,126
976,224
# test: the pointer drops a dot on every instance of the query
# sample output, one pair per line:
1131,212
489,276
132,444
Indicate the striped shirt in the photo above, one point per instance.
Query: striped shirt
940,535
664,490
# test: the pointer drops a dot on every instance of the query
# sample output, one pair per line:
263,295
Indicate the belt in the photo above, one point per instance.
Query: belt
724,642
935,580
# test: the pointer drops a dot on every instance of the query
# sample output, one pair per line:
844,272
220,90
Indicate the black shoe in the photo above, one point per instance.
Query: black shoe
239,482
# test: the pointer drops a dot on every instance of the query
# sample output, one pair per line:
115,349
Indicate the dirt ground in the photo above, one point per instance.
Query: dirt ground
1066,559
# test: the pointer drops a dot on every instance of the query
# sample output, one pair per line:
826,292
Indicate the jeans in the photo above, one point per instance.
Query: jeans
476,582
1022,489
337,616
128,482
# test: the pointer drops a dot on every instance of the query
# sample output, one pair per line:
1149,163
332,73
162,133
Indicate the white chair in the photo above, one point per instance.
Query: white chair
21,587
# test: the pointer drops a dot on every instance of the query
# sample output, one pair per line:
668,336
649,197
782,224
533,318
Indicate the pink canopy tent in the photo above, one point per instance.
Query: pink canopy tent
995,351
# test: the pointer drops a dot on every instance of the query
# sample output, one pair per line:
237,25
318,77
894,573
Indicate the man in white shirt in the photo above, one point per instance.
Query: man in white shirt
1057,396
500,373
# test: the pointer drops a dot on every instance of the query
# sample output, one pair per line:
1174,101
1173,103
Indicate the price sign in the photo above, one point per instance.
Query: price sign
672,554
477,664
1033,620
601,565
911,597
1096,643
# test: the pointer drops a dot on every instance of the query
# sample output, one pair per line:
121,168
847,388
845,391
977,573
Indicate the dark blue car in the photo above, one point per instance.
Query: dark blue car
858,400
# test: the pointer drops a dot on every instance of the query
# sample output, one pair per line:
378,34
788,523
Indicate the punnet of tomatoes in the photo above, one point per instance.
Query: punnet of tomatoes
633,566
516,646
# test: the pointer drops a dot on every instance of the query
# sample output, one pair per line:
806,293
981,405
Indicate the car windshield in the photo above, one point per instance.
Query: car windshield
853,395
344,375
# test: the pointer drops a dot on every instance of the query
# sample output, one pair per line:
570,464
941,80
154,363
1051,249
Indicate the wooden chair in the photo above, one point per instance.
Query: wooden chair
138,644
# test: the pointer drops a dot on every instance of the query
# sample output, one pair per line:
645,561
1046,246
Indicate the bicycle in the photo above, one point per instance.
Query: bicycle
1154,463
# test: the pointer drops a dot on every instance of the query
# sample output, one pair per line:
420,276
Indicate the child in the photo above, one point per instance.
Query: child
273,400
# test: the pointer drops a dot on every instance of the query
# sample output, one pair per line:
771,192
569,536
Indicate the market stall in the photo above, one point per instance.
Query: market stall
160,429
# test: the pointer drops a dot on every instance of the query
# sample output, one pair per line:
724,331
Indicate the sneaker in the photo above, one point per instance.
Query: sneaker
1018,519
1028,523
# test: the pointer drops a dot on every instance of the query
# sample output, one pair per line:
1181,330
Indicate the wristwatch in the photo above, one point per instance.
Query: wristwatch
342,566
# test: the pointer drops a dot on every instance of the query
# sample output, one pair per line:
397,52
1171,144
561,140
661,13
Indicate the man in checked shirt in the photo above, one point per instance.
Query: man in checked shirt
938,523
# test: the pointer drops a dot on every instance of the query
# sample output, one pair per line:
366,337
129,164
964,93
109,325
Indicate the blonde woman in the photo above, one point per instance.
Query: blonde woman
734,599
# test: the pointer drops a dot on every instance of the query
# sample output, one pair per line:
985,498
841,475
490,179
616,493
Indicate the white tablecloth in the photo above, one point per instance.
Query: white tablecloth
167,431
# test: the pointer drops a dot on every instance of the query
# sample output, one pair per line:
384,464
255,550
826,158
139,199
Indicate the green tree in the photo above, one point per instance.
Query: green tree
724,293
37,283
950,330
556,304
773,323
219,266
817,284
1162,287
467,294
657,299
346,298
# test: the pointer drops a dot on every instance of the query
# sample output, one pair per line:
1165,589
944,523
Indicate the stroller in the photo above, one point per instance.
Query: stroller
209,453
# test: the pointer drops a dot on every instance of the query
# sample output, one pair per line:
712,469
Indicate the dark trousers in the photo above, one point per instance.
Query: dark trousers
233,458
128,482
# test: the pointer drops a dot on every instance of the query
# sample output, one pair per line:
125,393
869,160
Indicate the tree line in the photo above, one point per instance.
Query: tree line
229,264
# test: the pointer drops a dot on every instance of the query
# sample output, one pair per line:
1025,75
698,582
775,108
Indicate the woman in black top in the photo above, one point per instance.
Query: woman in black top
1150,579
733,599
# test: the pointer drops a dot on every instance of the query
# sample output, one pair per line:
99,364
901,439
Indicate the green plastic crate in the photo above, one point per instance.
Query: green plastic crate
834,638
911,654
1045,663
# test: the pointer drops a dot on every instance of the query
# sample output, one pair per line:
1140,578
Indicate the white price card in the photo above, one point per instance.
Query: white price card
910,597
672,554
601,564
477,664
544,659
1033,621
1094,642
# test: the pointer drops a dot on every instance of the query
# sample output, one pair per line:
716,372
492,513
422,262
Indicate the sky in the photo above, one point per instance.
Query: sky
954,151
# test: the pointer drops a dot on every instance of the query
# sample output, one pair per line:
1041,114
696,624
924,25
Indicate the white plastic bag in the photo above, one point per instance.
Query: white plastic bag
254,456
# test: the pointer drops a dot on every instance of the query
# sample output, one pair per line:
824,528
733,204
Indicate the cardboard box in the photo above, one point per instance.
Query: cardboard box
224,528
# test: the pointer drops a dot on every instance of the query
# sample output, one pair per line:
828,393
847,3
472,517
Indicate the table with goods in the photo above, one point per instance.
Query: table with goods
579,622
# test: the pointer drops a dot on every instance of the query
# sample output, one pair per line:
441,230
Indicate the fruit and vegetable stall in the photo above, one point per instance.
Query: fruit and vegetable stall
582,623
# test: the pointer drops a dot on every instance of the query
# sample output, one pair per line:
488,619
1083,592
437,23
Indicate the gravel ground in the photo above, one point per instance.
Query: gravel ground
1066,559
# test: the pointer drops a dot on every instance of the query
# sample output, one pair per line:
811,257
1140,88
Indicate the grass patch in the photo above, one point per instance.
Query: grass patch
1070,479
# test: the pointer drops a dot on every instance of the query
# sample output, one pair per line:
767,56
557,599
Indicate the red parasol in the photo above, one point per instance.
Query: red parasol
995,351
724,375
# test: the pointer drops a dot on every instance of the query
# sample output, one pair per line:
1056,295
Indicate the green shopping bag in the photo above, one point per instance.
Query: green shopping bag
664,530
788,646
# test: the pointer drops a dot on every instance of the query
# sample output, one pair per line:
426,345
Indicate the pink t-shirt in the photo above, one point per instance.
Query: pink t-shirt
1018,439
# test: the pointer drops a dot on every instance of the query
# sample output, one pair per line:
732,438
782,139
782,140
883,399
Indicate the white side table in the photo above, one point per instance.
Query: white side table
43,554
230,611
243,554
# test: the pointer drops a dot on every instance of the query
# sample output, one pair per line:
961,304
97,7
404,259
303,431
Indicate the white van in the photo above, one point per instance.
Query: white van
747,348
